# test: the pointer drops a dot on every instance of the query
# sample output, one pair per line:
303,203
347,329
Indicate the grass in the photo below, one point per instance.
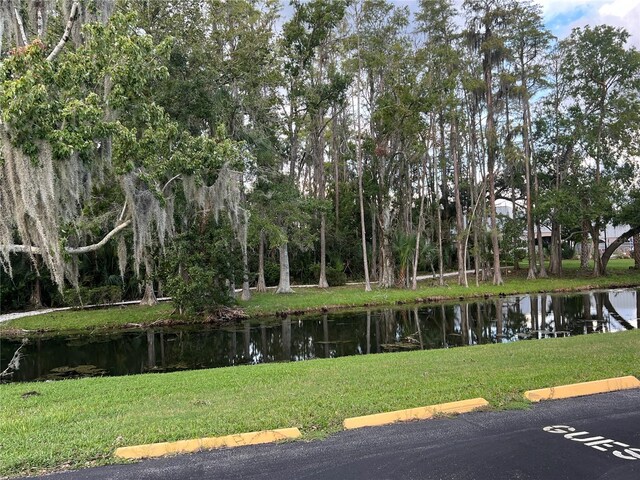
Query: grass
83,320
78,423
308,299
351,296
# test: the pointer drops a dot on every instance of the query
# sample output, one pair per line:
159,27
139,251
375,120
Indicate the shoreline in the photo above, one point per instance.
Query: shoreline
289,305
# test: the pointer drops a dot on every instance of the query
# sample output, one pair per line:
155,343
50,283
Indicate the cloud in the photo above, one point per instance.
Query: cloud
618,8
563,15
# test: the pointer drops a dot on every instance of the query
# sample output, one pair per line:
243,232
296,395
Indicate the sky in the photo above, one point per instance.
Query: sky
562,15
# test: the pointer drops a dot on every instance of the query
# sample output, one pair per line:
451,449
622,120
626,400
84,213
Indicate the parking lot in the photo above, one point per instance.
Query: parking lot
594,437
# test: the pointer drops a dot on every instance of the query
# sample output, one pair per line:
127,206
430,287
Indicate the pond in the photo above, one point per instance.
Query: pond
508,319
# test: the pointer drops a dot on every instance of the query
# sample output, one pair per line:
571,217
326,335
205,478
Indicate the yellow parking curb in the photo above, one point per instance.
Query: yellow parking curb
586,388
188,446
420,413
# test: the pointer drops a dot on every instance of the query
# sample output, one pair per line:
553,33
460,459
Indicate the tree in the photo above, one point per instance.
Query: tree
529,41
83,118
308,36
604,82
484,23
437,22
390,73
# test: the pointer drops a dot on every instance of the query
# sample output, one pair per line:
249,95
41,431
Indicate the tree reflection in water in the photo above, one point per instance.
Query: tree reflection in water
329,335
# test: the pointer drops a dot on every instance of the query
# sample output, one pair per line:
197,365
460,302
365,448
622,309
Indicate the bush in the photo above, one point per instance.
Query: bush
107,294
568,252
271,273
335,277
199,265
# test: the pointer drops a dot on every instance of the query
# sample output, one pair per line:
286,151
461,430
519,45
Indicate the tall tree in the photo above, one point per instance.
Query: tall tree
529,41
603,75
485,22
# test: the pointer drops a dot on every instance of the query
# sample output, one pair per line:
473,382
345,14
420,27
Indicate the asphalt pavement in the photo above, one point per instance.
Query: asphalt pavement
594,437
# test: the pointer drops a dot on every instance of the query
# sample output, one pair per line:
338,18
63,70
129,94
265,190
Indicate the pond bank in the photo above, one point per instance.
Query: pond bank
167,348
309,300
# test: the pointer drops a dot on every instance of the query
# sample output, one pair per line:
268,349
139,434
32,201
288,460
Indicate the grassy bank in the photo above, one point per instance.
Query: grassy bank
76,423
315,299
87,320
309,299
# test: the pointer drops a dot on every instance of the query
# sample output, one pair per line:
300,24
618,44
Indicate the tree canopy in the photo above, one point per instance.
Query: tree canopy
350,137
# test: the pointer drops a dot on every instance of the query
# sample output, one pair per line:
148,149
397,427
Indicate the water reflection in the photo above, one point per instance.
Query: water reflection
330,335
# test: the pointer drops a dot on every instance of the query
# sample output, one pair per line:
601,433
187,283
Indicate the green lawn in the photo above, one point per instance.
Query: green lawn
84,320
315,299
306,299
76,423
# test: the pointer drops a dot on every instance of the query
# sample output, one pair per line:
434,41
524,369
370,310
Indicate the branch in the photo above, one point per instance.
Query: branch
67,33
25,42
101,243
14,363
617,242
71,251
169,182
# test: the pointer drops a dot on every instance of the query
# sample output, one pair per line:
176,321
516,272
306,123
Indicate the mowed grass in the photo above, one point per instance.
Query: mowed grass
350,296
305,299
77,423
97,318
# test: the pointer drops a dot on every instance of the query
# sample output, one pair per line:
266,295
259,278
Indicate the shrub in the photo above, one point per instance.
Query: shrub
105,295
199,265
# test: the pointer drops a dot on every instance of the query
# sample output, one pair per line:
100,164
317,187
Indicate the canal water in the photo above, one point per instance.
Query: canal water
494,320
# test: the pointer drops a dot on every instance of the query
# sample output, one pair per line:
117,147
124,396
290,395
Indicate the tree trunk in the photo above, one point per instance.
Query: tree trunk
585,247
556,248
387,279
284,286
440,250
335,159
595,237
636,253
416,253
460,237
149,298
246,292
318,157
497,273
613,246
363,230
375,256
531,246
543,268
35,300
492,147
322,282
363,237
261,287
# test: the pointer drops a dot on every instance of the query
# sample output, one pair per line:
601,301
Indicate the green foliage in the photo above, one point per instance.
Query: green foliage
69,103
568,251
97,101
199,267
15,293
335,276
83,296
271,273
512,245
